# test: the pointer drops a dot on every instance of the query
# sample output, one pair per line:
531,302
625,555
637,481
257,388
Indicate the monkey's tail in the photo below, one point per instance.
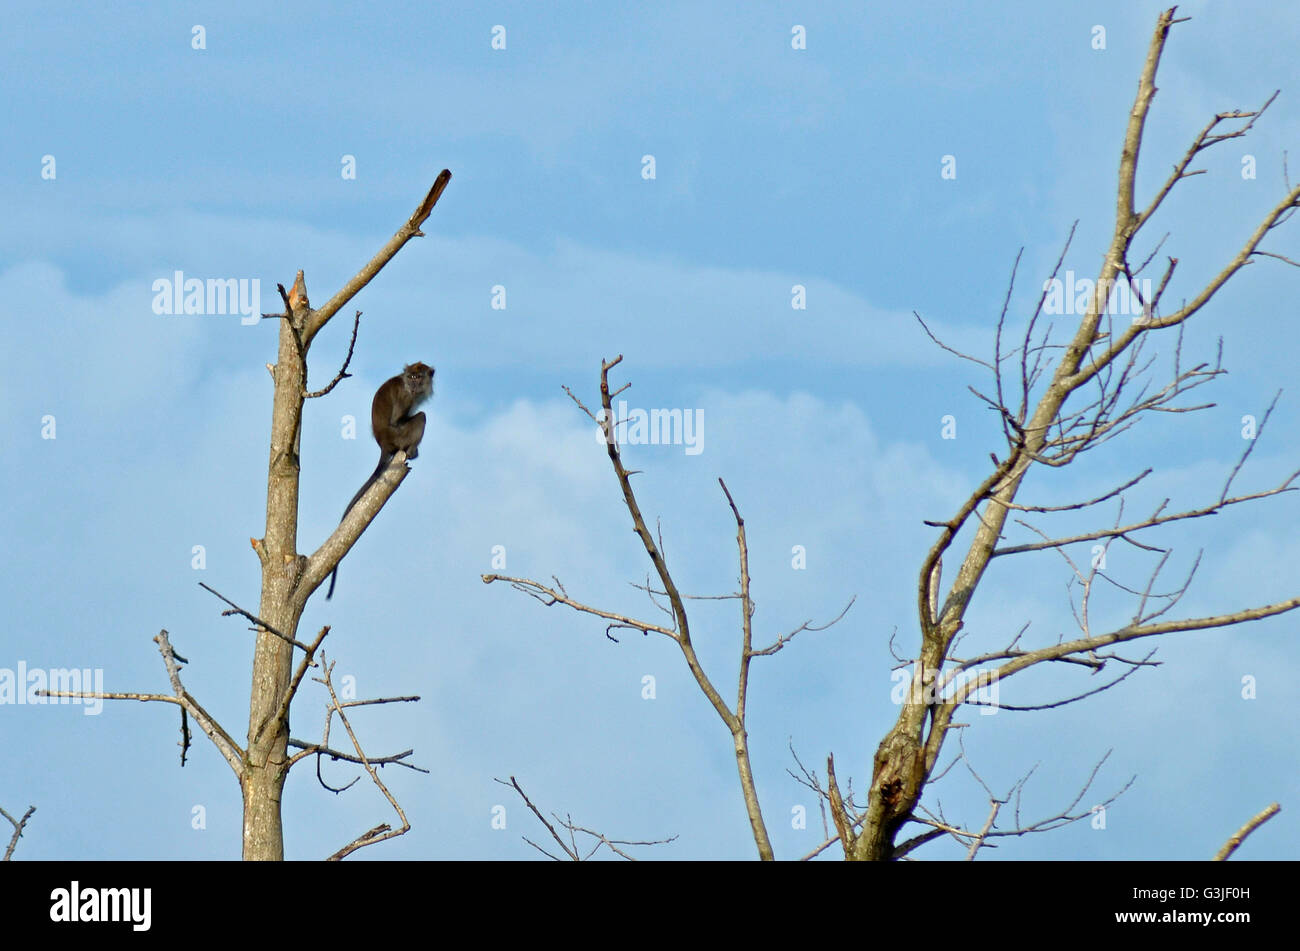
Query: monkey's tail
384,460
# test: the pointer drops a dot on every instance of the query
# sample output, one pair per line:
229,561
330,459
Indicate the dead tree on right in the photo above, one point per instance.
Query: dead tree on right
1058,398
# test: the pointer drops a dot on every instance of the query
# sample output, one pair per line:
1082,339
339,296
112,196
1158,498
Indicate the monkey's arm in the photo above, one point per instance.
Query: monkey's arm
325,559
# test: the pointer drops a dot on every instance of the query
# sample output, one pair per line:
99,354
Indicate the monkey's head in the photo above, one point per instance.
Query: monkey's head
418,380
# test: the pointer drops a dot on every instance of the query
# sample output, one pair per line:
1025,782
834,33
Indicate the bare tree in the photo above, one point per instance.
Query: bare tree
1055,402
669,599
288,580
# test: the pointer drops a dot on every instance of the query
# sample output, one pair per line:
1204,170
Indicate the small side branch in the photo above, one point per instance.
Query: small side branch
785,638
223,741
308,660
380,832
343,373
261,625
1085,645
557,595
943,346
19,825
316,749
1158,518
570,849
844,823
1073,506
1240,835
324,749
973,841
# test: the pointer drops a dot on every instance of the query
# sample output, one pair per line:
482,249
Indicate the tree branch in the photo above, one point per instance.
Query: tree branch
1240,835
19,825
411,229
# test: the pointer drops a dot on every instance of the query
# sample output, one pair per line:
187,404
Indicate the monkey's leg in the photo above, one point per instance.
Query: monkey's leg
408,434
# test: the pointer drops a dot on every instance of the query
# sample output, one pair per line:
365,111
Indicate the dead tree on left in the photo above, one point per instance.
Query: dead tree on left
289,578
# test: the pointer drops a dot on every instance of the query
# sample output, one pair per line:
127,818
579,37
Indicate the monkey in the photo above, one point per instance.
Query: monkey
394,426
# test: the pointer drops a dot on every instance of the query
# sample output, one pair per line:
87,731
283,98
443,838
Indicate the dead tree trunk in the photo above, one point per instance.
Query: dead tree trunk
289,578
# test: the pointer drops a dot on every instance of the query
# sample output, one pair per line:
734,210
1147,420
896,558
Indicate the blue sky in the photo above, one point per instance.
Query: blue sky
774,167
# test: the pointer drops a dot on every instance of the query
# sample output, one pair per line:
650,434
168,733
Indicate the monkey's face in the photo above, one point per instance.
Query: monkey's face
418,378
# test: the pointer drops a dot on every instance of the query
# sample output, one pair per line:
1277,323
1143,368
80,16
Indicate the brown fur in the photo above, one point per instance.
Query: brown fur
394,426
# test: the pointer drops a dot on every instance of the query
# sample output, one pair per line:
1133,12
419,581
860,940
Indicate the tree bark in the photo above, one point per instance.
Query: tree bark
266,766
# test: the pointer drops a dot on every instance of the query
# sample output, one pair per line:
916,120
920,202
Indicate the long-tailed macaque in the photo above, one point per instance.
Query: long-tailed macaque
394,426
